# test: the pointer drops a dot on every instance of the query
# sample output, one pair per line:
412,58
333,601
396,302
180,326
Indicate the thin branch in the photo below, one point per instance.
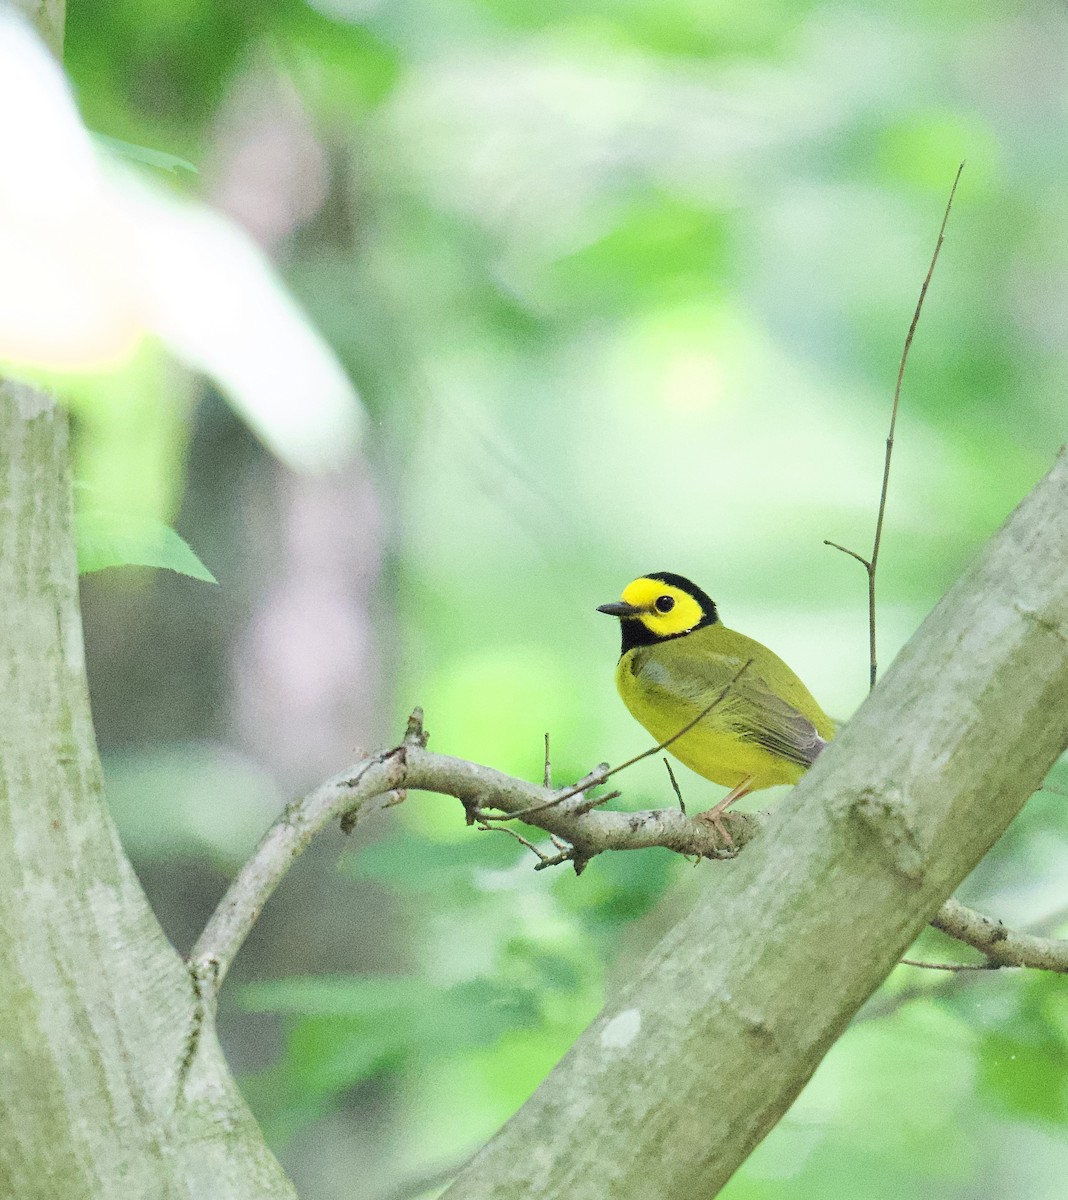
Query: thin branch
592,802
871,565
594,779
930,966
1002,947
486,827
547,778
280,846
584,833
675,785
865,563
884,1005
369,785
604,772
415,734
570,854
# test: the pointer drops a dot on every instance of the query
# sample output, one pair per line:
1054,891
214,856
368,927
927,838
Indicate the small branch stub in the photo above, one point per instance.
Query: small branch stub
415,734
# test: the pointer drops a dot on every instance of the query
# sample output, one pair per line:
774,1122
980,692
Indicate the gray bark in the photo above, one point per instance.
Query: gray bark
96,1008
682,1075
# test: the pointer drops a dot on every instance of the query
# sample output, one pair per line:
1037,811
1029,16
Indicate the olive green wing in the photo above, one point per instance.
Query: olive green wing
768,721
750,709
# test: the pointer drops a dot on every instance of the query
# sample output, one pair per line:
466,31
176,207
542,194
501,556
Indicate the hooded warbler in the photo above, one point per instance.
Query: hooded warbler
678,657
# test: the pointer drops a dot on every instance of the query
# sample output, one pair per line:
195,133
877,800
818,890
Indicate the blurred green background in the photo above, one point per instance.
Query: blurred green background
623,287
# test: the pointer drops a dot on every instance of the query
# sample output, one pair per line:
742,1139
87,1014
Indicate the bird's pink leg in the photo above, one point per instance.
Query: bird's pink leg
714,815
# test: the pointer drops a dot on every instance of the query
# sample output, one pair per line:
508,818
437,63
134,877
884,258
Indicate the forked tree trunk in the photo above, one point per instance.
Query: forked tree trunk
96,1008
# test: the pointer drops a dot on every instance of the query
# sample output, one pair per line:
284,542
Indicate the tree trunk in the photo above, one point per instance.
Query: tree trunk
96,1007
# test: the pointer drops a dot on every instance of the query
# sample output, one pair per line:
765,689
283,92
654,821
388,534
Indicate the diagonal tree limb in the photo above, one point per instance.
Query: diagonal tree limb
693,1063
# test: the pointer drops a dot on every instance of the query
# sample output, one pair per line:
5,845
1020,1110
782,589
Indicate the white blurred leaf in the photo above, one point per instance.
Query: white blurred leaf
92,261
217,303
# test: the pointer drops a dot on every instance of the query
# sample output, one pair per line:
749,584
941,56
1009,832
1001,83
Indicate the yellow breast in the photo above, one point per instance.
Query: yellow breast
709,748
668,684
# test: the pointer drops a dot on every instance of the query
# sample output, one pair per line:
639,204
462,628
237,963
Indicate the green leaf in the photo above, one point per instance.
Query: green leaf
107,539
334,996
406,862
143,154
1024,1056
1024,1077
331,1055
343,1029
618,888
544,968
478,1012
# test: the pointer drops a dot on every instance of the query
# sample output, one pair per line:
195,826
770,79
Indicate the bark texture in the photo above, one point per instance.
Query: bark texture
682,1075
96,1007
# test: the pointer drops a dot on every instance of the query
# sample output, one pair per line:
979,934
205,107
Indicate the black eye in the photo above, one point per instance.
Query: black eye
664,604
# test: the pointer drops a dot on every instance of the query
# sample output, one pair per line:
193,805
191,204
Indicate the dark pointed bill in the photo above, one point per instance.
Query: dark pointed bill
620,609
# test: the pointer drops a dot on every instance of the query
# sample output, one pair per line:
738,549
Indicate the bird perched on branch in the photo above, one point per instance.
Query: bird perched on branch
762,725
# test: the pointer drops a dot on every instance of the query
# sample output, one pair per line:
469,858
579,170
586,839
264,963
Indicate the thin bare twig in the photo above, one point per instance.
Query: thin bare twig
592,802
578,834
871,564
486,827
548,776
675,785
414,733
570,854
604,773
930,966
864,562
565,853
884,1005
1000,946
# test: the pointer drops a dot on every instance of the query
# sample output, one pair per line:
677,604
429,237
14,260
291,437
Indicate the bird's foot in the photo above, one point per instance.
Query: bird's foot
714,815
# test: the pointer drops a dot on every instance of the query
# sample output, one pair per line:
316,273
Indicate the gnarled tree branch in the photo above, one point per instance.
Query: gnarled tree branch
480,789
1002,947
374,783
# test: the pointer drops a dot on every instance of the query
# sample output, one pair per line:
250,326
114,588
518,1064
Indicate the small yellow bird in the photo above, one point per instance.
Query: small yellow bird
677,658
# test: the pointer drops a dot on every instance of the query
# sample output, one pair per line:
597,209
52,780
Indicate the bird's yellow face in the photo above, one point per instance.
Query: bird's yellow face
660,605
663,608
